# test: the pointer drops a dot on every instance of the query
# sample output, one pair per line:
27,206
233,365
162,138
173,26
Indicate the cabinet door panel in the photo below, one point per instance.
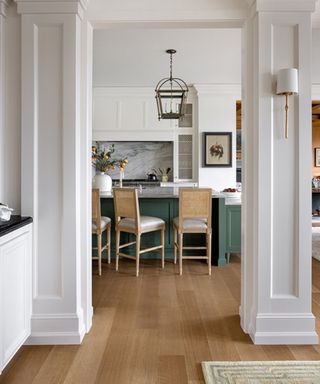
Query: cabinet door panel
185,156
105,114
233,226
16,294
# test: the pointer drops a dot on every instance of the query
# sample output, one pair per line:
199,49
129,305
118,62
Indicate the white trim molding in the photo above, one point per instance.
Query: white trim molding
285,5
295,328
48,329
218,89
77,7
3,7
3,12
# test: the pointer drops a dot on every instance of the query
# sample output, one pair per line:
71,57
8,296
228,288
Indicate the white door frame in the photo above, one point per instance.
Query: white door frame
88,30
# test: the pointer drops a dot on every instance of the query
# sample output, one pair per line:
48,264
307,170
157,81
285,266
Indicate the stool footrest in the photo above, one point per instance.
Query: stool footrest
151,249
195,257
127,256
127,244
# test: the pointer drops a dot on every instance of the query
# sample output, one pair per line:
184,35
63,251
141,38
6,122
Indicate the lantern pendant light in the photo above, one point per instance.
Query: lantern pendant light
171,95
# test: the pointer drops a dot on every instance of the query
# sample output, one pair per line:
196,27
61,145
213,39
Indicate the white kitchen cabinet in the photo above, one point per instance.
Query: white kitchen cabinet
15,291
186,144
184,156
128,114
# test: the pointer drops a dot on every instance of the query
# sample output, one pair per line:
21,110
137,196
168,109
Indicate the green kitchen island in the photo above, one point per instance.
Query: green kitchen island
164,203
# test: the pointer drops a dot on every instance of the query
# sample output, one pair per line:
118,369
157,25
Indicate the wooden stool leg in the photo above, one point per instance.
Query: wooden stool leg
180,252
137,253
209,252
99,240
117,248
175,245
109,243
162,249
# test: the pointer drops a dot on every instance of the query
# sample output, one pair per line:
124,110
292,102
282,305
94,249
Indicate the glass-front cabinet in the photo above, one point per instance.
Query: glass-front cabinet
185,145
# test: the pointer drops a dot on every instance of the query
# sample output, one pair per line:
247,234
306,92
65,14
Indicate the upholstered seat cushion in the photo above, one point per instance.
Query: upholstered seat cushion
104,222
146,222
189,224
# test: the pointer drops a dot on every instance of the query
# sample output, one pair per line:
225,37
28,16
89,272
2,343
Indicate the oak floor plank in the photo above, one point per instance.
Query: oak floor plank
156,329
172,370
302,352
282,352
87,361
56,366
24,367
194,335
170,335
131,359
208,293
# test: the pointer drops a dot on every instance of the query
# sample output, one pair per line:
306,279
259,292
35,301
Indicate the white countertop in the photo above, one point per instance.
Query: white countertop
169,192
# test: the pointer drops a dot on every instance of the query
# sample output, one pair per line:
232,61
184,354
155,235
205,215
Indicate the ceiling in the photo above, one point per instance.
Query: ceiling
136,57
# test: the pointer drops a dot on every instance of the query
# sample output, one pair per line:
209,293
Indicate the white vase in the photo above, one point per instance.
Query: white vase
102,181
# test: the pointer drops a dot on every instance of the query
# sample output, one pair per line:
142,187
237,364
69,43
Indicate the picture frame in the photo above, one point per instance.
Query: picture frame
317,157
217,149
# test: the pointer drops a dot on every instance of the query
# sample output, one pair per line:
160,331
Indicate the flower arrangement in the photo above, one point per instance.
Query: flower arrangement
216,150
102,159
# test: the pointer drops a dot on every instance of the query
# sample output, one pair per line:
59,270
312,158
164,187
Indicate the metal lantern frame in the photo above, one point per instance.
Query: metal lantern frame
171,89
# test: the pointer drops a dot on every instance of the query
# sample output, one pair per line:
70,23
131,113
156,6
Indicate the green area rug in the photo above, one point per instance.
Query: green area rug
261,372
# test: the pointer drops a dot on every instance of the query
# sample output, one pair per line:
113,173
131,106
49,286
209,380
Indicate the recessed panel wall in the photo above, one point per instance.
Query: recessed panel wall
49,53
285,172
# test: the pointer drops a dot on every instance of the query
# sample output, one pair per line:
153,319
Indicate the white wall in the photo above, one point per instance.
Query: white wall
316,56
136,57
12,114
189,10
217,113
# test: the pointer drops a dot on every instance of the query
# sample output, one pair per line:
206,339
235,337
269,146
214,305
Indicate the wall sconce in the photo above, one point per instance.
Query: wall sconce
287,84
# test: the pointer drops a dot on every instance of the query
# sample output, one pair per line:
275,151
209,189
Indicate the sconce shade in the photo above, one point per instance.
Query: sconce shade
287,81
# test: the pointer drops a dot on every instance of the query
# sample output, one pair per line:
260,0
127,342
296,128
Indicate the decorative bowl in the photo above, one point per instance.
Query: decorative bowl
232,194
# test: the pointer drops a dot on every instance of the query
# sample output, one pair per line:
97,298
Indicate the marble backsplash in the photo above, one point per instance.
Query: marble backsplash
143,156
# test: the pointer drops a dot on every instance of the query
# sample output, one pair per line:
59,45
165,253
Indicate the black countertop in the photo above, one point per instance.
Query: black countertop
14,223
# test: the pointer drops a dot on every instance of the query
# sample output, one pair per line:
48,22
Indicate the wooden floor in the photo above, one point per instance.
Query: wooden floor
156,329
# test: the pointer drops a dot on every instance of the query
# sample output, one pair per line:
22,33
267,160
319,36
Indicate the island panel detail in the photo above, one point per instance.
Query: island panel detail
226,227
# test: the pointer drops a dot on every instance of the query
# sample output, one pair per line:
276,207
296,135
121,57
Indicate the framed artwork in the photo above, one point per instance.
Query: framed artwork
317,157
217,149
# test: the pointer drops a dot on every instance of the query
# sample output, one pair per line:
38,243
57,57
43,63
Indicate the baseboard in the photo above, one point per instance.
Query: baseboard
55,338
282,328
285,338
89,319
54,329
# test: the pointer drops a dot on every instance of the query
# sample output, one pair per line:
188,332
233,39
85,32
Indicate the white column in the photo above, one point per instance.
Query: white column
276,268
86,173
3,9
51,162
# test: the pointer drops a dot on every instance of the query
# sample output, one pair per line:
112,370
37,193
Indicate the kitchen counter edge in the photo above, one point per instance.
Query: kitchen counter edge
172,193
13,224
